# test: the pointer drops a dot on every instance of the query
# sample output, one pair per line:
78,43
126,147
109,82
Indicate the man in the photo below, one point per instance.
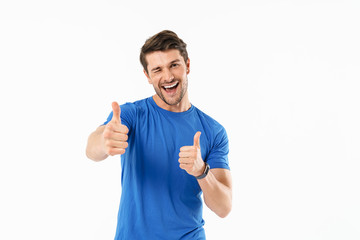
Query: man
171,152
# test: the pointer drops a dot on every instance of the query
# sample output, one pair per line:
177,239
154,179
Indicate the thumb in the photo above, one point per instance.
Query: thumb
197,139
116,112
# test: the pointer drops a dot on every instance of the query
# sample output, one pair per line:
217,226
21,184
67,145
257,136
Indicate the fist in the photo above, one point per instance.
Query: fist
115,134
190,158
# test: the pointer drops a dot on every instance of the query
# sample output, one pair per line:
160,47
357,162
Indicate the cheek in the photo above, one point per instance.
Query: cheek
184,76
153,80
184,73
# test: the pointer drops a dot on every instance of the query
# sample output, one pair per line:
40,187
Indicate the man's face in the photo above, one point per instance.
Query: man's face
167,72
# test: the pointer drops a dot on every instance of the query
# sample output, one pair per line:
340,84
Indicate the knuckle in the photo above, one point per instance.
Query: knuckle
126,137
106,133
109,126
113,152
124,129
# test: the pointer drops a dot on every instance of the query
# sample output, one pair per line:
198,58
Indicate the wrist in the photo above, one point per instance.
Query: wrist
205,171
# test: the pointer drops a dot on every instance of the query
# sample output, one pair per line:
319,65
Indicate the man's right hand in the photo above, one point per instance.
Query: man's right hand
115,134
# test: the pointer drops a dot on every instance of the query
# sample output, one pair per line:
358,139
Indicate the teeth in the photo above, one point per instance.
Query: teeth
171,86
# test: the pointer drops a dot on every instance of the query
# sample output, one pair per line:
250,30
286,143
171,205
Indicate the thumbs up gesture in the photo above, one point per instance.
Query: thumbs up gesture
115,134
190,158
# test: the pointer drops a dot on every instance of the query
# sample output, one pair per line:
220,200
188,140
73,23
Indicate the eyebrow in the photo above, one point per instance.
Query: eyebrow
157,68
176,60
154,69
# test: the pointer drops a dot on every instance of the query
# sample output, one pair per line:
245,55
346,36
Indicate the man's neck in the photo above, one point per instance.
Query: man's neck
182,106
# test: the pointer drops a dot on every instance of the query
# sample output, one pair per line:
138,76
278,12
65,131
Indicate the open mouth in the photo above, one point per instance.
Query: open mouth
171,88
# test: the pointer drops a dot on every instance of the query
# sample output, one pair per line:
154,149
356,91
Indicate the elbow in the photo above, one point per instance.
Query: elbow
226,207
224,211
221,208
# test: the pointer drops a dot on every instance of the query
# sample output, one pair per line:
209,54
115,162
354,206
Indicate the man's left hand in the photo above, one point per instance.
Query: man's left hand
190,158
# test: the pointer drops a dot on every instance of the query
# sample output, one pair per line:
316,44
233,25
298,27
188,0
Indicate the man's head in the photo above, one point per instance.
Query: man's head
166,65
162,41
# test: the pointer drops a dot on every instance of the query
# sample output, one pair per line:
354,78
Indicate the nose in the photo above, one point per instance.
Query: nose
168,76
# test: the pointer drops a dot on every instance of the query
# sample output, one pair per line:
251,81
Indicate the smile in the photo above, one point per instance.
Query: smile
171,86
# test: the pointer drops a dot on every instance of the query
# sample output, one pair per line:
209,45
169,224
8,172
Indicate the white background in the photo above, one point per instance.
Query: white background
281,76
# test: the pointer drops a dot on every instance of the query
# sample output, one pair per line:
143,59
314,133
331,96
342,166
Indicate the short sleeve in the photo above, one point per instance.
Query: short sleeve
218,155
127,115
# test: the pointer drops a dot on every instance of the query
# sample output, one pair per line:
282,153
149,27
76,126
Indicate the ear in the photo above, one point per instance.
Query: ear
188,66
147,76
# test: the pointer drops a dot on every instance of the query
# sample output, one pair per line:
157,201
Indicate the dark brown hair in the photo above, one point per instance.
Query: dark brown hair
162,41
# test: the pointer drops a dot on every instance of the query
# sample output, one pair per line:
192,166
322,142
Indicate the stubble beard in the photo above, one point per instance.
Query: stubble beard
182,85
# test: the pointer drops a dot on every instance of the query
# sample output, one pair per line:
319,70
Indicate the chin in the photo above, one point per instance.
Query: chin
172,102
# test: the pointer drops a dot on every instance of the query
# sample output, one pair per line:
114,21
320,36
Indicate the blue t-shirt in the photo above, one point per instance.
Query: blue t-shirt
159,200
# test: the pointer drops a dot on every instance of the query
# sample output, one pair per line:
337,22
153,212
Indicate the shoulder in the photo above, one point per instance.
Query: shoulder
130,112
217,139
215,132
139,105
209,122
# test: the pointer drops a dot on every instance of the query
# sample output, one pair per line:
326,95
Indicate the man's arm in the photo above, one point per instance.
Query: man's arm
110,139
217,191
216,186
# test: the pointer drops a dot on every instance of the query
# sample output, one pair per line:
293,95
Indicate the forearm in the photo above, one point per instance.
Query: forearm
217,195
94,149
